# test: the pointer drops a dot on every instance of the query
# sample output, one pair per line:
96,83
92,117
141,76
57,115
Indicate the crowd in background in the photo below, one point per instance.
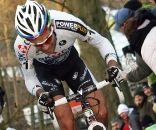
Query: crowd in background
138,24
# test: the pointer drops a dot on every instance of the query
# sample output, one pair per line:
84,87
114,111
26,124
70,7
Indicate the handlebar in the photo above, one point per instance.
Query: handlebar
88,91
118,85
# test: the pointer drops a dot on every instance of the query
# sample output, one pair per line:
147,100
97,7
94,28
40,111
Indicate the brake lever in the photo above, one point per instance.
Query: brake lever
118,85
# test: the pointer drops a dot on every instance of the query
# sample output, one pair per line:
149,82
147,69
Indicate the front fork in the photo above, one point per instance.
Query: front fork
88,113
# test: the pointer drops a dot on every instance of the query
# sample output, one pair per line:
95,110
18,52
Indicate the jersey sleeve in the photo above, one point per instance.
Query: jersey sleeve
23,52
90,36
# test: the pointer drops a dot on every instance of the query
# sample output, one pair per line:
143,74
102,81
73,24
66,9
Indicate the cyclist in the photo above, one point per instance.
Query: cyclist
44,47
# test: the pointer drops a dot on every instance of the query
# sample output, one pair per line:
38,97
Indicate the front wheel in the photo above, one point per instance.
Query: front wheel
96,126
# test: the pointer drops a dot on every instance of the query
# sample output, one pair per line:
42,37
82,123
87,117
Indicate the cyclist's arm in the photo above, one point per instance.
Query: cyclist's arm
101,43
31,81
23,51
142,71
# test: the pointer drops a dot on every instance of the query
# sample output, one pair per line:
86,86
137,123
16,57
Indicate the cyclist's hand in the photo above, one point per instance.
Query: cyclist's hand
44,103
114,72
111,73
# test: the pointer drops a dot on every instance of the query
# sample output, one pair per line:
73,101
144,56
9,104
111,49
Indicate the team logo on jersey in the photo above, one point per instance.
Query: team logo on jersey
21,57
22,48
63,42
75,75
71,26
84,74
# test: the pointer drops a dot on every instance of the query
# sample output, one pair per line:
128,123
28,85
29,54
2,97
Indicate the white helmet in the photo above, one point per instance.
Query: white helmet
30,19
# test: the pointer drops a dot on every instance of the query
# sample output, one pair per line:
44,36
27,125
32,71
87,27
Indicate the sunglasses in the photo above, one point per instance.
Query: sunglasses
46,40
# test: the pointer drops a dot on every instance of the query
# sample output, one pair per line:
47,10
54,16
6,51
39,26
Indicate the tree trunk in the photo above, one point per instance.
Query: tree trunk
8,108
15,88
41,120
32,112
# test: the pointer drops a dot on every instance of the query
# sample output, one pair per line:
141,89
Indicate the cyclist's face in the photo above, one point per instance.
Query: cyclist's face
45,42
147,91
116,126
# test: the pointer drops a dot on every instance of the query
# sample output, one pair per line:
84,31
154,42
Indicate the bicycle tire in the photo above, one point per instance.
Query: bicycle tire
97,126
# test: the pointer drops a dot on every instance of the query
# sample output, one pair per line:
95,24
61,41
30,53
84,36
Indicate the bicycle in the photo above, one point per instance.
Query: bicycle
87,112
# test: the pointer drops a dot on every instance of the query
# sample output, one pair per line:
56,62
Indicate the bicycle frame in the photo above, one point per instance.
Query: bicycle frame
86,109
88,116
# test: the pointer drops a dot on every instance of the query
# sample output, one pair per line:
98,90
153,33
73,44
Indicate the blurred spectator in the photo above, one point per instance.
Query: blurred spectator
130,116
125,13
142,70
154,9
147,90
145,107
2,104
147,123
121,17
117,124
153,89
133,5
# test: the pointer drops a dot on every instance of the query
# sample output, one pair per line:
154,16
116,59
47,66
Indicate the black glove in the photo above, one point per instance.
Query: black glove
44,104
153,89
111,73
2,92
114,72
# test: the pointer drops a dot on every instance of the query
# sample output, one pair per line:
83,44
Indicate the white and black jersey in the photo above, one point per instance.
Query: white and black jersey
67,29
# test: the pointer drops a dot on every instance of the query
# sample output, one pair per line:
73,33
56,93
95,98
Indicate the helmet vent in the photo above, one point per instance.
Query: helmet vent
20,22
29,10
26,33
30,24
42,10
39,24
24,9
20,15
35,13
